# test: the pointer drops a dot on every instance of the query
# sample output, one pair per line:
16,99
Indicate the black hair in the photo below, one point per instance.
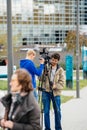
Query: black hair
56,56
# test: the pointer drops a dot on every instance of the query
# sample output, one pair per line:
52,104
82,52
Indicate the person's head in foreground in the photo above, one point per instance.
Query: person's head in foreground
22,109
21,81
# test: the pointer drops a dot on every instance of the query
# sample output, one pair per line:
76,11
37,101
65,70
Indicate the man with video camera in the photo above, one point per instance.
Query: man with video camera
53,85
28,64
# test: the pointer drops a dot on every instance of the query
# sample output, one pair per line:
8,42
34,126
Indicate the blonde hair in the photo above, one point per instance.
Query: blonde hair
29,52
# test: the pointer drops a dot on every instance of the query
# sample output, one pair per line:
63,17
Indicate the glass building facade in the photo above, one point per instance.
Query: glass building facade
42,21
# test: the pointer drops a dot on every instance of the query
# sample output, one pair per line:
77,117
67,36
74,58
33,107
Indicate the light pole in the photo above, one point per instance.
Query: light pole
9,42
77,52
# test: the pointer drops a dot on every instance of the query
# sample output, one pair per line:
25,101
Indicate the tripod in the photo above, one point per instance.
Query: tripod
40,90
46,76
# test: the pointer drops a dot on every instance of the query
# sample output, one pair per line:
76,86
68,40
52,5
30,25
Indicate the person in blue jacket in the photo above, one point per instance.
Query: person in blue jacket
29,65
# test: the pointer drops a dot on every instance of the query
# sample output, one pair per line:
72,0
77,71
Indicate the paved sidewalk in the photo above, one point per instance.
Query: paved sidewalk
74,112
2,93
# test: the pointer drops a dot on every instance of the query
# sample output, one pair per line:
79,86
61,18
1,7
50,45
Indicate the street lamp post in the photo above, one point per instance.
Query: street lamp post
77,52
9,42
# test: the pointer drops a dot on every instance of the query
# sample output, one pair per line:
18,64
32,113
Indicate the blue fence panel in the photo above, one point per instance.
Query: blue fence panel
84,61
69,71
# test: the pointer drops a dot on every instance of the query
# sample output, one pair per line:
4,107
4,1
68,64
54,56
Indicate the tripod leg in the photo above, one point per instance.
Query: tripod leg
41,108
41,120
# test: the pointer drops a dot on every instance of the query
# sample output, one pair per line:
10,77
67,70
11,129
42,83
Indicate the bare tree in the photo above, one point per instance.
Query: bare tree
70,40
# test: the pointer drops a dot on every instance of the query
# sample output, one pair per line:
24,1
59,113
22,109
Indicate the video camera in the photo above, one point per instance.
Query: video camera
44,54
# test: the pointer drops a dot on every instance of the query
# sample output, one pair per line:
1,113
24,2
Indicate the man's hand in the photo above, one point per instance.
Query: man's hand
6,123
54,87
9,124
2,122
42,60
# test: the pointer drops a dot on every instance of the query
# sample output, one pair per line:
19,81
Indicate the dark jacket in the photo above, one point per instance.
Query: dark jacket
32,69
26,115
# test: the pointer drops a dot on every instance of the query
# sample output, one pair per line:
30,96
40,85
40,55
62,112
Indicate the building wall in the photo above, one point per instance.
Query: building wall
42,21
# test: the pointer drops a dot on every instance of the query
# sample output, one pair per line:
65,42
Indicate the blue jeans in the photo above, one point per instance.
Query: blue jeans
46,99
